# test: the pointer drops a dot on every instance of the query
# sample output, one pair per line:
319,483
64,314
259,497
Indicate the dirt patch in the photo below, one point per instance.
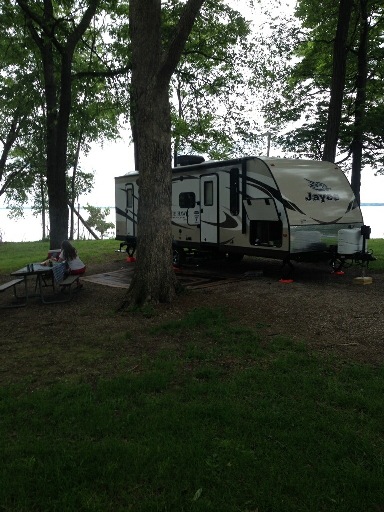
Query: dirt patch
86,338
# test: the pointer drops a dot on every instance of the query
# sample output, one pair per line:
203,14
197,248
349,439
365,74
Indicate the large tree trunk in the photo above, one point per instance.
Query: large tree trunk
56,172
338,80
152,68
58,210
56,186
154,279
360,102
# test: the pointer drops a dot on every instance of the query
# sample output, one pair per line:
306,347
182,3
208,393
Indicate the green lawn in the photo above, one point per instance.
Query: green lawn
14,255
17,254
233,421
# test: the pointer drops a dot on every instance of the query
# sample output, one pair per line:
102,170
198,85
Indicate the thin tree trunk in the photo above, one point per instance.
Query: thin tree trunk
73,181
43,208
360,102
84,222
176,142
338,80
78,148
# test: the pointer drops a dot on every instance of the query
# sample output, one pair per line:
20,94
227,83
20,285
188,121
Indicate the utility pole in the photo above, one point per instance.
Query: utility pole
268,134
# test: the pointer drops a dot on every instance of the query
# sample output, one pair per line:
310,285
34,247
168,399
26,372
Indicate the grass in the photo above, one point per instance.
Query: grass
14,255
17,254
230,422
377,246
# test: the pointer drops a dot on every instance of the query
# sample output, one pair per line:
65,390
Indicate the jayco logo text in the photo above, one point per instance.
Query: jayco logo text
321,197
320,187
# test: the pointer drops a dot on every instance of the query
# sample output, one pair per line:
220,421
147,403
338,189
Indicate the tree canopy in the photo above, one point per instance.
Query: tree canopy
301,98
72,63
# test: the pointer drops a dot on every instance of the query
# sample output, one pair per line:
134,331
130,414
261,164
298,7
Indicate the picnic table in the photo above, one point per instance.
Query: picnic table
43,278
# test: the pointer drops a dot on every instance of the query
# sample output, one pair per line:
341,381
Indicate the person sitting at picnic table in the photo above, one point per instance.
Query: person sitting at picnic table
69,255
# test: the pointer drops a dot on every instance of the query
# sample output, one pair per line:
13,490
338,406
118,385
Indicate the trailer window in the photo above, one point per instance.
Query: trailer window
187,200
234,198
208,193
129,198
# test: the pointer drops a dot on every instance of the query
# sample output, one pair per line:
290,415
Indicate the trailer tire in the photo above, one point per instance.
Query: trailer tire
337,264
178,257
130,250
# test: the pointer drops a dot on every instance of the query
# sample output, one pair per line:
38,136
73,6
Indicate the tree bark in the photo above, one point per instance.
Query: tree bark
154,279
152,67
360,101
58,98
338,80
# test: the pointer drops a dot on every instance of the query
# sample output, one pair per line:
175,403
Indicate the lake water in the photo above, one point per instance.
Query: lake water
29,228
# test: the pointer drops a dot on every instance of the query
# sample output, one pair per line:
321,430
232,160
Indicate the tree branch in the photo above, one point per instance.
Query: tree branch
82,26
32,15
107,73
12,135
172,54
13,175
40,22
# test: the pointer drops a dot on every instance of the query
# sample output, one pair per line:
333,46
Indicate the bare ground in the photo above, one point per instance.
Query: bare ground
86,338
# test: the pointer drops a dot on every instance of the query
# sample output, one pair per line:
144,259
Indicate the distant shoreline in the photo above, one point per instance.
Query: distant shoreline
29,228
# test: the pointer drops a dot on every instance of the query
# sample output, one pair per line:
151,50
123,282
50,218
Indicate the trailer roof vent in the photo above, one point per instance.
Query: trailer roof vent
189,160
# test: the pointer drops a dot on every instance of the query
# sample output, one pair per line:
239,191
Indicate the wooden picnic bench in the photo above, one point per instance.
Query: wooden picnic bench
66,284
13,284
70,280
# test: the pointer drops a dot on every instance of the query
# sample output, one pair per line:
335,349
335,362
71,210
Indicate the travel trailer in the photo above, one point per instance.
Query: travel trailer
288,209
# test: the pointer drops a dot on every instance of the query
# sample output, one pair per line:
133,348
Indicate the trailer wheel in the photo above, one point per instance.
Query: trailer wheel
287,270
337,264
178,257
131,250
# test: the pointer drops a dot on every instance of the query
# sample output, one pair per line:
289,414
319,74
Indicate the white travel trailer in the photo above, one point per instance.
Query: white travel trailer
289,209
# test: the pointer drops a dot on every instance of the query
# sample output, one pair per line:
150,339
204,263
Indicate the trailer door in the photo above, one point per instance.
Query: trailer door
209,194
130,214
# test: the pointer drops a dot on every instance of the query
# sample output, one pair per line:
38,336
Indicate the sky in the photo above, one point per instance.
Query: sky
108,161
